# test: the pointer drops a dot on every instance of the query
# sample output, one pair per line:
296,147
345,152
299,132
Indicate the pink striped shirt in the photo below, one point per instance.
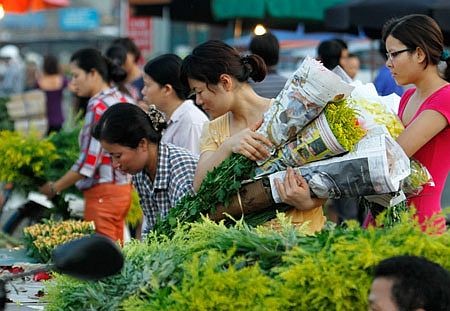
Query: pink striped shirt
93,162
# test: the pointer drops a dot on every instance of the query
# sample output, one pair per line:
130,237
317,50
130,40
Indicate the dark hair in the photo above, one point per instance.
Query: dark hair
165,69
89,59
329,52
51,65
213,58
382,49
129,46
126,124
117,54
417,30
417,283
267,47
341,42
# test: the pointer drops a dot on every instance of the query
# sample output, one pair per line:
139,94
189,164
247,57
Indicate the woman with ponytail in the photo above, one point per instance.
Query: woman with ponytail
106,190
415,50
162,173
218,76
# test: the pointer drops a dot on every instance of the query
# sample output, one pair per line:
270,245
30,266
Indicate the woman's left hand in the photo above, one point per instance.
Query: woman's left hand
294,191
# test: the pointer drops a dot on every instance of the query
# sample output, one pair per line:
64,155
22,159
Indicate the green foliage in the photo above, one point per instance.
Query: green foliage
134,215
218,187
207,266
211,283
67,151
5,121
24,159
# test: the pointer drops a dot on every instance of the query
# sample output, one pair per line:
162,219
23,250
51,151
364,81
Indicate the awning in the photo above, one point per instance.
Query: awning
23,6
290,9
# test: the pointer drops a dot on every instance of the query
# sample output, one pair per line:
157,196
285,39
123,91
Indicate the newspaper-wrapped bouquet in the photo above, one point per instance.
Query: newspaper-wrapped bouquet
334,132
310,120
377,166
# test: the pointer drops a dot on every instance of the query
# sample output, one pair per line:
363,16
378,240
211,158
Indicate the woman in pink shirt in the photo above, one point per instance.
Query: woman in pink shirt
415,47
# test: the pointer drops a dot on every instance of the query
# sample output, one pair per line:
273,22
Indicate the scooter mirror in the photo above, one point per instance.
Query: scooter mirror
88,258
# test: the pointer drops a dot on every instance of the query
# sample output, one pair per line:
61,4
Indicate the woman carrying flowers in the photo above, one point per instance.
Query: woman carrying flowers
218,76
415,46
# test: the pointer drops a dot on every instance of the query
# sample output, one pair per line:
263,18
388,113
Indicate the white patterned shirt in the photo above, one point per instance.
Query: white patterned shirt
185,127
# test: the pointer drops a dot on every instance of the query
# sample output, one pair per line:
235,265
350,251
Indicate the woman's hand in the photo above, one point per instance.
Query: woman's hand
294,191
48,189
250,144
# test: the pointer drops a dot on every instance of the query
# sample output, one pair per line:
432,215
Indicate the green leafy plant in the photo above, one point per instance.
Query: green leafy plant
208,266
25,159
218,187
5,121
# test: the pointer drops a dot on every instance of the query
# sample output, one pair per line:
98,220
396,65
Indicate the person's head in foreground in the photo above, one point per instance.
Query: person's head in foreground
409,283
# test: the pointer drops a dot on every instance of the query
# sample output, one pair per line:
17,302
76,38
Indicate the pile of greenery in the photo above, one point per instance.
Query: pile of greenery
5,121
25,159
208,266
67,151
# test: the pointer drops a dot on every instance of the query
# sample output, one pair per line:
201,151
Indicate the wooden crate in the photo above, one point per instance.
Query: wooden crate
37,125
27,105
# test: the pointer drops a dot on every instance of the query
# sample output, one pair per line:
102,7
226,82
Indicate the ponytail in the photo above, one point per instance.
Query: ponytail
254,67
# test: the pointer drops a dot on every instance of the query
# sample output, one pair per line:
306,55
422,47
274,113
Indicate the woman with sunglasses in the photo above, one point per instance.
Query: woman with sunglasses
106,190
415,50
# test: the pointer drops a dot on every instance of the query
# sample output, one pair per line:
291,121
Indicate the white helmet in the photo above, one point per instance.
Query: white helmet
10,51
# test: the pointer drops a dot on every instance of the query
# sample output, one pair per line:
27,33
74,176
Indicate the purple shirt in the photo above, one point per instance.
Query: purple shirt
54,105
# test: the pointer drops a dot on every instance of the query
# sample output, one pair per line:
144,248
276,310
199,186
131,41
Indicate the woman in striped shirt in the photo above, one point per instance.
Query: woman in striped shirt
106,190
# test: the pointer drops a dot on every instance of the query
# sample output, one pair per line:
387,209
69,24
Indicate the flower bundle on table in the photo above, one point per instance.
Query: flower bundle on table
24,160
41,239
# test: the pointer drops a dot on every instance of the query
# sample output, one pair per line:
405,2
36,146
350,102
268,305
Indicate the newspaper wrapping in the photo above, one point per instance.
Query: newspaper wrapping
314,142
377,166
302,99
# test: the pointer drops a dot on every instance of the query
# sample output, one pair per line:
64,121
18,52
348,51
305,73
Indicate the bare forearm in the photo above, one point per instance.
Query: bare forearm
69,179
209,160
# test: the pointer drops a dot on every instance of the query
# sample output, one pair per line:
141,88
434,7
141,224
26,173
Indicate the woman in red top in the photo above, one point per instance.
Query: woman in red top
415,47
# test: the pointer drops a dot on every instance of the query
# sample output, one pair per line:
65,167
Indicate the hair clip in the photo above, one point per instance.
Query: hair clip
445,55
157,118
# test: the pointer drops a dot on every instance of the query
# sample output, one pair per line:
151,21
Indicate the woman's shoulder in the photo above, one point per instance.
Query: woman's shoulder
219,122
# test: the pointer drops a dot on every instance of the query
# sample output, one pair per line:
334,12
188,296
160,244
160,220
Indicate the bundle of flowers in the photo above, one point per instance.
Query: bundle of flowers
41,239
419,177
377,110
334,132
214,267
134,215
310,91
24,160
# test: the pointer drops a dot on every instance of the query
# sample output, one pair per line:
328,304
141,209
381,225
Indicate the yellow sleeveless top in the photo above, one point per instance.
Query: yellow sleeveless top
214,134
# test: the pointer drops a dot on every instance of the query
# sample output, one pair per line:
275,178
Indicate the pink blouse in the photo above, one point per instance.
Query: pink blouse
435,154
